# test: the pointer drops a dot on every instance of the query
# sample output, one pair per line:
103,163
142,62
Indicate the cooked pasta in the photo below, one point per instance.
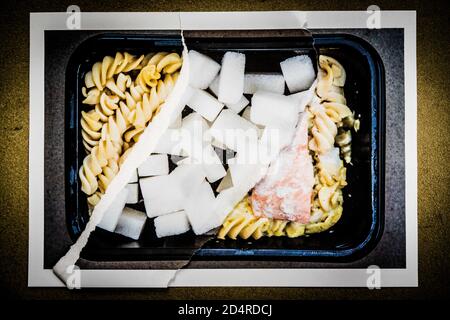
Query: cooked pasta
90,128
120,109
323,131
330,138
344,141
242,223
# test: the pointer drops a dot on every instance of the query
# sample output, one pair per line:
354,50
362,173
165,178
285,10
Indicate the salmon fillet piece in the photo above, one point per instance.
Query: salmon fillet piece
285,192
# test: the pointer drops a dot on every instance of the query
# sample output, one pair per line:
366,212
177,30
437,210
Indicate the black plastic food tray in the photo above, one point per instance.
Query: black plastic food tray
361,224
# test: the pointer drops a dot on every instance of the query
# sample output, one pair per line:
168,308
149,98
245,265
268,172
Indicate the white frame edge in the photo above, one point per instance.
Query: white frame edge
40,277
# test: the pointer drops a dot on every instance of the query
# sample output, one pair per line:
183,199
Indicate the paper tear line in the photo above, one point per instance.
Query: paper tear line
147,142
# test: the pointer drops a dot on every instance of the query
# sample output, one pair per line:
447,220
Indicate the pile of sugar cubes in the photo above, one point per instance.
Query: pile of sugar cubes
231,110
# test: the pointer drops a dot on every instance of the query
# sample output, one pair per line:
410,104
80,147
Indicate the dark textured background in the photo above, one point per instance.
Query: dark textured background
433,154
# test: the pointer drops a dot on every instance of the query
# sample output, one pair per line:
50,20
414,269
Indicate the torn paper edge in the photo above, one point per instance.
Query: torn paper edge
146,144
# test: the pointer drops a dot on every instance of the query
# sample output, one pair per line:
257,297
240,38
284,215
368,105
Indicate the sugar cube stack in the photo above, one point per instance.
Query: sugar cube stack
263,81
171,224
131,223
203,70
298,72
133,193
155,165
167,193
205,104
231,80
199,207
229,127
112,215
210,163
269,108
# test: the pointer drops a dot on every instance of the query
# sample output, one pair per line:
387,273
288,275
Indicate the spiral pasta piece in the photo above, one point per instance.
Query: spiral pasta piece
103,71
242,223
121,108
169,63
90,128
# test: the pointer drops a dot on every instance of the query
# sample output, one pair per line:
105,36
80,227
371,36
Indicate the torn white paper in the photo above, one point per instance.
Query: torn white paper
137,156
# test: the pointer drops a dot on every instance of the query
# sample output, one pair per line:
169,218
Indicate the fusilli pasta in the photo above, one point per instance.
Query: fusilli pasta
120,110
330,124
242,223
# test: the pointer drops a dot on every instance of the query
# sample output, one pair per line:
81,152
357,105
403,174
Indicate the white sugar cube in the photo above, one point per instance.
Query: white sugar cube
171,224
238,106
224,203
167,193
242,171
230,129
202,69
194,131
298,72
161,195
269,108
131,223
303,98
155,165
212,165
263,82
214,86
200,207
205,104
170,143
133,193
134,177
112,215
188,177
231,81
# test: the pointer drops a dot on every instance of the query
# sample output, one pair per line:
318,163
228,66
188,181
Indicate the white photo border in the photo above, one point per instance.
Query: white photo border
39,22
